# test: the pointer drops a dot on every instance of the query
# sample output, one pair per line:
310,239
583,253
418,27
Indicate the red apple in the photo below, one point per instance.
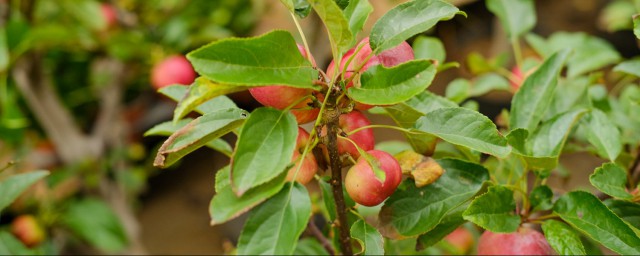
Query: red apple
28,230
281,97
109,14
525,241
172,70
363,138
362,184
308,166
388,58
461,239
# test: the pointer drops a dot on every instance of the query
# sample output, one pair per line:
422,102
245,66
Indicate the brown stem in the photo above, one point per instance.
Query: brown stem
315,232
332,115
35,86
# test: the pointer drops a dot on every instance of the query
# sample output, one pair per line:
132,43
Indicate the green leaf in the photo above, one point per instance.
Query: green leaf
385,86
300,7
309,246
198,133
88,12
95,222
532,99
169,127
584,212
274,227
10,245
589,52
405,115
570,94
340,35
517,16
611,179
489,82
393,146
447,225
264,148
14,185
357,13
562,239
550,138
407,20
604,135
369,238
631,67
540,198
426,47
458,90
203,96
494,210
542,149
465,127
628,211
269,59
226,205
636,25
415,211
202,91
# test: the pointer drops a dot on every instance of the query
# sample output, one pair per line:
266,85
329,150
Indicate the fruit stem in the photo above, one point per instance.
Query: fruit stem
304,39
515,43
331,116
382,126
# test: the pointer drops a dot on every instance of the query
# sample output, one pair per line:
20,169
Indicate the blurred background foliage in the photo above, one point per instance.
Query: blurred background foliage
75,99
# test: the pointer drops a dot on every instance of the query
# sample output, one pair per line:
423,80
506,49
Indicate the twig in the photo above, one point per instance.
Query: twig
315,232
332,116
35,86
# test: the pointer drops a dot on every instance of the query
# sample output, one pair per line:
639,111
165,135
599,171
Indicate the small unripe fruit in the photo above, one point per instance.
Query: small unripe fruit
308,165
461,239
109,14
172,70
363,138
281,97
525,241
388,58
362,184
27,229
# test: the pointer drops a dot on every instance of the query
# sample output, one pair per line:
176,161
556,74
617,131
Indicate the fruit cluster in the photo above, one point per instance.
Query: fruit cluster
361,182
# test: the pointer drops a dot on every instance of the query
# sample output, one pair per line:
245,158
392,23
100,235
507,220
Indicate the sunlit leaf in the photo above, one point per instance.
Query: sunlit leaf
533,98
584,212
407,20
264,148
272,58
275,226
562,239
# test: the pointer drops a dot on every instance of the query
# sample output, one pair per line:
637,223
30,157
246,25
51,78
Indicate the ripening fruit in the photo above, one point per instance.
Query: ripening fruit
362,184
363,138
27,229
109,15
172,70
518,78
281,97
461,239
388,58
309,166
525,241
